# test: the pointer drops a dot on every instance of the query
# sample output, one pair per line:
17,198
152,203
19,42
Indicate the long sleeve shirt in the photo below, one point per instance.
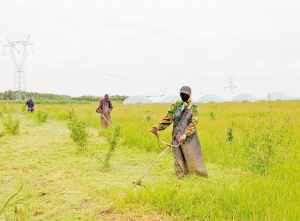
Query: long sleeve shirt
168,119
30,104
103,103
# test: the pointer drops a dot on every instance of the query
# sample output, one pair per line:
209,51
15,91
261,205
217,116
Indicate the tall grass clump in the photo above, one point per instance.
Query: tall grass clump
78,130
11,126
267,143
41,117
113,141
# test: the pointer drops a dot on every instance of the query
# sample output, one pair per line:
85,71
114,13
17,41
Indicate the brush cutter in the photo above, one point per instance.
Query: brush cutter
138,181
106,120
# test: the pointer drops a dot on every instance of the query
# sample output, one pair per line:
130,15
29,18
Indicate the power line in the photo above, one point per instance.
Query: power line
113,76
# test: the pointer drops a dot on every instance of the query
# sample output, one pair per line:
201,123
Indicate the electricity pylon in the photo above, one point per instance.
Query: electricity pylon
231,86
19,86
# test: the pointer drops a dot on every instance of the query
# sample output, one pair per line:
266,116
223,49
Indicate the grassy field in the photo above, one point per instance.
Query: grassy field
251,152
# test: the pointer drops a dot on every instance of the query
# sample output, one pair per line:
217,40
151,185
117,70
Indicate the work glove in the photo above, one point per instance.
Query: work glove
183,137
154,129
110,109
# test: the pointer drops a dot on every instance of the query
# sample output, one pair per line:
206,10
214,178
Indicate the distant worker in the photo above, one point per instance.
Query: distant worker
30,105
105,107
184,114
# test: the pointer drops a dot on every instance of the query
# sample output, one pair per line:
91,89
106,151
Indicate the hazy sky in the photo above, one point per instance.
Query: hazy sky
141,47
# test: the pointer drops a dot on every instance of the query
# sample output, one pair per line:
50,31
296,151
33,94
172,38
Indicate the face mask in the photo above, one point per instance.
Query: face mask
184,97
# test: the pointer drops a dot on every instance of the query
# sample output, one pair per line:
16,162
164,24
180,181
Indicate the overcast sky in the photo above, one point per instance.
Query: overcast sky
141,47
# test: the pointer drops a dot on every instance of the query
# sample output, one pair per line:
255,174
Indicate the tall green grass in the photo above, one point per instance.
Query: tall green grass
252,156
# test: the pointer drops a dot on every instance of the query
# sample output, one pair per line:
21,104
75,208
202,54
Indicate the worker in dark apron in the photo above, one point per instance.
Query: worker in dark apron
105,107
184,114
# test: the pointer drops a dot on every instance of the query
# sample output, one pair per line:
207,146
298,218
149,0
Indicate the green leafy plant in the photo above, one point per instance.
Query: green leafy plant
212,115
11,126
2,134
267,144
229,134
41,117
78,130
113,141
148,118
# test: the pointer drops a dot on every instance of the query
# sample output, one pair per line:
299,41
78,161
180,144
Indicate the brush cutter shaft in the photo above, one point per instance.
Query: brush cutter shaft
106,120
138,181
168,146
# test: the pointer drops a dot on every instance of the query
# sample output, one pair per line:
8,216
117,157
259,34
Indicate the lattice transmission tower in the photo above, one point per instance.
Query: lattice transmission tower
231,86
18,52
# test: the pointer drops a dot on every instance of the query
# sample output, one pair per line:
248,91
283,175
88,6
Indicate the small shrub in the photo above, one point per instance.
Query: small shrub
11,126
148,118
78,131
113,143
41,117
267,144
1,134
212,115
229,134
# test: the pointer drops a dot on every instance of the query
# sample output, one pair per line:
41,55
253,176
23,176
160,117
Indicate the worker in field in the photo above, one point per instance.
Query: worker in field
30,105
184,114
105,107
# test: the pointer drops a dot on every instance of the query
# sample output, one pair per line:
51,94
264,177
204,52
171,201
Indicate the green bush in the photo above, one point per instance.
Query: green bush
11,126
41,117
78,131
267,144
229,134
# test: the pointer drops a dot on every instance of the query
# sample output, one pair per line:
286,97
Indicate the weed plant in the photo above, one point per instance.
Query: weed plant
229,134
266,145
2,134
113,141
212,115
11,125
19,214
41,117
78,130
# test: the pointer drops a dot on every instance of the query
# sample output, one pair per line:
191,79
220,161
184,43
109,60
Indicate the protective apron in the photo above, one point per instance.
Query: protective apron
105,113
188,156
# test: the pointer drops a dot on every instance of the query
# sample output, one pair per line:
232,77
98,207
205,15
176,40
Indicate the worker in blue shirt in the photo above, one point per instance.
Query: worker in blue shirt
30,105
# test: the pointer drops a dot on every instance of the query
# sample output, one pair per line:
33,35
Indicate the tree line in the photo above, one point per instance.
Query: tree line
8,95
